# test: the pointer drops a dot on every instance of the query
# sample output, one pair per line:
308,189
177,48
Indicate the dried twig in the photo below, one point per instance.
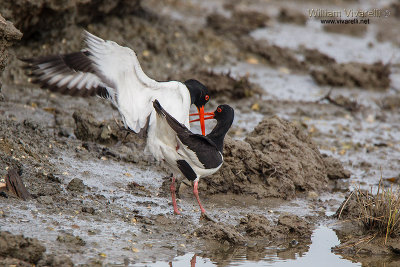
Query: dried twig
344,103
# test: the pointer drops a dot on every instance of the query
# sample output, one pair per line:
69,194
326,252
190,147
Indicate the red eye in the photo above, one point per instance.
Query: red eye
219,109
207,97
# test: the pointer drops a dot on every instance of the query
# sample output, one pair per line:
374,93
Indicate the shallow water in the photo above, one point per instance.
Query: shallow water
323,239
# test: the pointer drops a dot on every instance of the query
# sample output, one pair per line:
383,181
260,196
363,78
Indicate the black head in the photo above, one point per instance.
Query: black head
198,93
224,113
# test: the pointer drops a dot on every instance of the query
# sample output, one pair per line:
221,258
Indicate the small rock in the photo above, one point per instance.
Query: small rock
292,16
90,210
76,185
295,224
56,260
220,232
17,246
71,239
334,168
47,200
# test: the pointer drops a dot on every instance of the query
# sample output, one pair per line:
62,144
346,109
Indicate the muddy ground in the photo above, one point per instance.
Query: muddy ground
291,156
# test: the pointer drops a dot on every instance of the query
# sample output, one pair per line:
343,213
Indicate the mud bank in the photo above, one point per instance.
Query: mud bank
240,23
257,228
17,250
277,159
42,17
225,85
8,36
350,75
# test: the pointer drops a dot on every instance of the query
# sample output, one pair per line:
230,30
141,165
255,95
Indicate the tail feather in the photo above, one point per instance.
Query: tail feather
159,109
172,122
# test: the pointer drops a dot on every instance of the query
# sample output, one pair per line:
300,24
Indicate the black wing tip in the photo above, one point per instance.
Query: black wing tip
25,60
157,106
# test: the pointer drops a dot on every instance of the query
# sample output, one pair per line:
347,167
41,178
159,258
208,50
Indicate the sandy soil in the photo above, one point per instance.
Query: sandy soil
290,157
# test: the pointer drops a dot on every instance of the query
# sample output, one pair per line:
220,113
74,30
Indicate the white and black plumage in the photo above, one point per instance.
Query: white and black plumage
111,71
195,156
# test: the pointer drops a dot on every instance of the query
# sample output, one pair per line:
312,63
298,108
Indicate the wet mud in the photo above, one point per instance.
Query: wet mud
287,15
354,30
375,76
224,85
277,159
290,159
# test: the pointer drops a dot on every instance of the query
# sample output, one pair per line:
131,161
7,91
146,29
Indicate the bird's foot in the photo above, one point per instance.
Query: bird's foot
177,212
204,217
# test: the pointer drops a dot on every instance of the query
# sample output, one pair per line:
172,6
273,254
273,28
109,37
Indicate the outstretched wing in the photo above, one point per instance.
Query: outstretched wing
70,74
111,71
200,149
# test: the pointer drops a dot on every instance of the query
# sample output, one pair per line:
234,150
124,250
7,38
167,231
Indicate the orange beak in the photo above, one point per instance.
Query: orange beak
202,118
205,113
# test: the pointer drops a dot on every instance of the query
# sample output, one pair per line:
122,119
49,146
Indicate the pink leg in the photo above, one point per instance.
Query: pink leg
193,261
172,188
196,194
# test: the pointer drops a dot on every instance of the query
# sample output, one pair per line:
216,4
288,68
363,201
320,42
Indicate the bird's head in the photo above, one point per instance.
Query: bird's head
223,113
199,96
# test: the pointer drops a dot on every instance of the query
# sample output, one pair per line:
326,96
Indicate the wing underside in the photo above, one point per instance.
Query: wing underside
110,71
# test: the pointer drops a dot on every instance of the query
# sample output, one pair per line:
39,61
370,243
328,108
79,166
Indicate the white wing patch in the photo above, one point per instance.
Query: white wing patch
119,68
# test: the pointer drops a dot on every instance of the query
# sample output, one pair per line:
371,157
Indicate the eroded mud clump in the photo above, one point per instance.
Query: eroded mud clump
76,185
288,226
241,23
8,35
22,148
276,160
391,102
40,16
295,156
334,168
294,225
272,54
314,56
369,76
220,232
395,9
256,227
29,250
220,84
358,30
87,128
292,16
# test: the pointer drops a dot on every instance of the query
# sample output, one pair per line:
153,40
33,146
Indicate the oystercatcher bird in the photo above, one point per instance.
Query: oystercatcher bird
192,155
113,72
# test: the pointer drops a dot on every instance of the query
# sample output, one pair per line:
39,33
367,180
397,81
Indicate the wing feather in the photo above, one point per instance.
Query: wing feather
198,148
120,69
113,72
68,74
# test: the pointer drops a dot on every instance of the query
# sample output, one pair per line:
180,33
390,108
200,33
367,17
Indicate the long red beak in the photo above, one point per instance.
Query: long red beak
201,117
205,113
205,118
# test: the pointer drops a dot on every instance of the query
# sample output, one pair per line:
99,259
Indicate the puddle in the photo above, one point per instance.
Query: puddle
323,239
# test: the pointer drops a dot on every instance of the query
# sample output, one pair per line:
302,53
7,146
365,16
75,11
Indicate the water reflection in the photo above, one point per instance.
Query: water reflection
302,254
